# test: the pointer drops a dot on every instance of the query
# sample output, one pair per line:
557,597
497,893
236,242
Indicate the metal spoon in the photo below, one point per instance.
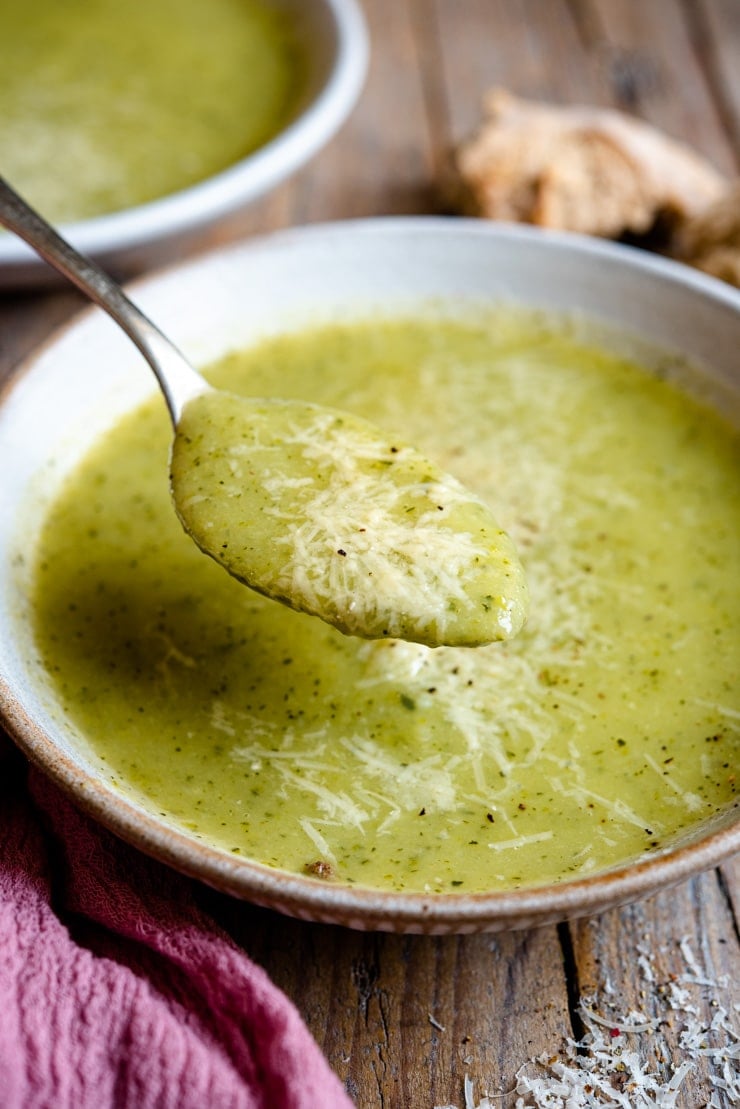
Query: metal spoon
177,378
309,505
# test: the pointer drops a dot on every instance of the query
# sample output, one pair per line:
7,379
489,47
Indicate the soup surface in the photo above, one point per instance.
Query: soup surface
598,734
105,105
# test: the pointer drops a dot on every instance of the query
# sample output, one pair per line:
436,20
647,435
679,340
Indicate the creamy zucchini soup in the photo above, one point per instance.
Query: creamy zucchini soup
598,735
110,104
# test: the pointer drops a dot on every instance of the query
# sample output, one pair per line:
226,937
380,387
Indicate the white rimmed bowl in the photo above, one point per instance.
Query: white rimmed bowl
334,41
88,375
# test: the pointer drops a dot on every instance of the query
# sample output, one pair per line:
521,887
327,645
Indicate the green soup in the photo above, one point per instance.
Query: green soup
317,508
105,104
602,731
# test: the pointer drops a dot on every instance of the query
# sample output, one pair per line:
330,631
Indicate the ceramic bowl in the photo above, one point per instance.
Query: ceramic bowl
335,44
89,374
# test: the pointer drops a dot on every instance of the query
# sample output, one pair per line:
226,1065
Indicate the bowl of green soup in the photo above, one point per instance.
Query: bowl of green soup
141,127
588,393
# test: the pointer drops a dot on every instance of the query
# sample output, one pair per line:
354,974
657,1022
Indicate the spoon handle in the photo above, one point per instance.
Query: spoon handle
177,378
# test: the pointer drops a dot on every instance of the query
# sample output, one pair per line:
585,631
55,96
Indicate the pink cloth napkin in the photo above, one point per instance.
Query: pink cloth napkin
116,990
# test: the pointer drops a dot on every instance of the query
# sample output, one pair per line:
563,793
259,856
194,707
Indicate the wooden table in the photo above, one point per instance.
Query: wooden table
403,1020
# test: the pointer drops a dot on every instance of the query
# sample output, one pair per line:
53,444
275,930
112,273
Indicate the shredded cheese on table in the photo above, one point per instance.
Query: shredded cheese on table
608,1067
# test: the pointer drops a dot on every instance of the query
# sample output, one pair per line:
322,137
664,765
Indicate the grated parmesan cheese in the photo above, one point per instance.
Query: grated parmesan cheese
606,1069
579,745
318,509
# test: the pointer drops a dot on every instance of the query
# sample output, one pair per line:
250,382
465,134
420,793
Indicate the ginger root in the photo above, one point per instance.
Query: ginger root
711,240
592,170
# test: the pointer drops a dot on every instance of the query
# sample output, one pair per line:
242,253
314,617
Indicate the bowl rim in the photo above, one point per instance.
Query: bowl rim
360,907
357,906
206,202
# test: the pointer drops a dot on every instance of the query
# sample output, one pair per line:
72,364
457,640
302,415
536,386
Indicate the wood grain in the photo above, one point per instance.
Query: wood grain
650,63
403,1020
717,41
517,46
627,962
26,321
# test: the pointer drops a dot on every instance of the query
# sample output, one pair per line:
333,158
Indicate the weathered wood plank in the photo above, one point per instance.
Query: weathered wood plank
374,1003
719,21
27,320
641,959
531,48
729,876
650,63
381,161
403,1019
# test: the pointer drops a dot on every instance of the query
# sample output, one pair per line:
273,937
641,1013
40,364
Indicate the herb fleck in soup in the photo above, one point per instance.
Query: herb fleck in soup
602,732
